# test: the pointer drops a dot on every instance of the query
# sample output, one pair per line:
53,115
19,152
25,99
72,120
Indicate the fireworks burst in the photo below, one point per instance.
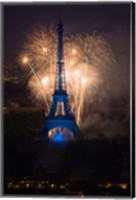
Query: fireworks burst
86,59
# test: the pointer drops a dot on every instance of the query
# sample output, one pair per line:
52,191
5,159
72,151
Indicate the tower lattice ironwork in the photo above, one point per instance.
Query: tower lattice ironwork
60,115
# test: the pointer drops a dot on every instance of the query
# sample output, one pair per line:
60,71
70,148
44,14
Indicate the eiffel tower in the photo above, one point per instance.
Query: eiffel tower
60,117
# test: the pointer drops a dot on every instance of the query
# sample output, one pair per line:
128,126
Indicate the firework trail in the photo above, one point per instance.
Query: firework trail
87,57
36,79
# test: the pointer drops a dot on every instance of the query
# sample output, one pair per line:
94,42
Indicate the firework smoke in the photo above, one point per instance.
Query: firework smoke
90,70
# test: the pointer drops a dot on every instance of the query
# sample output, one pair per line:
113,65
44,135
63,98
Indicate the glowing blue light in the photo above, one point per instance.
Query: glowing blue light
59,137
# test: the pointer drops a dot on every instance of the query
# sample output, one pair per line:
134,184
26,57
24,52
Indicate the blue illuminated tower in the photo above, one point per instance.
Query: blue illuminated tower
60,115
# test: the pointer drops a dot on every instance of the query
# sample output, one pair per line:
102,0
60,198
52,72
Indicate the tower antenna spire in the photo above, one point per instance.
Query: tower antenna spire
60,25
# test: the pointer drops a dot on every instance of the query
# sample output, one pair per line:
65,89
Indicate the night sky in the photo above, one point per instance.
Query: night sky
77,18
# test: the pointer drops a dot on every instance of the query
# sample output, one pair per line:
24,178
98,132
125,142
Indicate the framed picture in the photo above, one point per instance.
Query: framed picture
67,93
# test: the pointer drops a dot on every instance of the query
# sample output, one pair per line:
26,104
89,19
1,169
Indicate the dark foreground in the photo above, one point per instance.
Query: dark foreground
97,167
81,168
